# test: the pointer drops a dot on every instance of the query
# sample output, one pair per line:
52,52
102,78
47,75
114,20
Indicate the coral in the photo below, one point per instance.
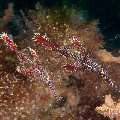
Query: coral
110,108
8,17
107,56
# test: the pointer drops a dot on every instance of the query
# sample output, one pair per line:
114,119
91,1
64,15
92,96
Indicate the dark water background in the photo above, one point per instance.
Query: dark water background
107,11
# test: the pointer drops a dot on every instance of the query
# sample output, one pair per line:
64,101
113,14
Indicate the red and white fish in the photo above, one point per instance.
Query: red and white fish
83,58
8,41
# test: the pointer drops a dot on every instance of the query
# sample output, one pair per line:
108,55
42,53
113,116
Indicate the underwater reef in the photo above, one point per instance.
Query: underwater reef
54,65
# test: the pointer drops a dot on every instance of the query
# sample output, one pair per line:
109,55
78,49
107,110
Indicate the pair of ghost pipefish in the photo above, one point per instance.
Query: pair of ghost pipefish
82,58
35,68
